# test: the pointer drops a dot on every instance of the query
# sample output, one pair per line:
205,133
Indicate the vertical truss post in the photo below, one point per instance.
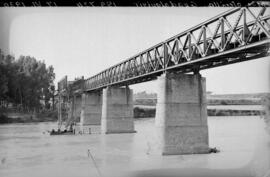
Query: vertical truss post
189,46
204,41
244,26
165,53
223,40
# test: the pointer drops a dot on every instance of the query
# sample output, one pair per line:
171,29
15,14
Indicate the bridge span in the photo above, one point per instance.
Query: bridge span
237,35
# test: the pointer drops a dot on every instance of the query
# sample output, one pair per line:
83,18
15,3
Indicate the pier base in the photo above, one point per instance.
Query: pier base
117,110
181,114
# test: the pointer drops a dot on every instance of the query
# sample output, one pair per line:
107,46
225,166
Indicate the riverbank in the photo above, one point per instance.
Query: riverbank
142,111
50,116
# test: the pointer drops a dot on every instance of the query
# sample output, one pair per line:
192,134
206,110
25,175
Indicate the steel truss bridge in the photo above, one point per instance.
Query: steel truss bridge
237,35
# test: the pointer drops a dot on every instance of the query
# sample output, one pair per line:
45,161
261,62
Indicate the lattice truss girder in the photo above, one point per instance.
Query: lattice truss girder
228,31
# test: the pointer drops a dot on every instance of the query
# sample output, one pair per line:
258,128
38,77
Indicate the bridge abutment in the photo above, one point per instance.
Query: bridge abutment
91,108
181,114
117,110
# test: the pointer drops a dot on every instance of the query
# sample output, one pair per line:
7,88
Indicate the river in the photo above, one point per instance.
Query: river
27,150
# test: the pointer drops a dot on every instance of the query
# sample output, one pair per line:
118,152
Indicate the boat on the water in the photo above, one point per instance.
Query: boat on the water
65,132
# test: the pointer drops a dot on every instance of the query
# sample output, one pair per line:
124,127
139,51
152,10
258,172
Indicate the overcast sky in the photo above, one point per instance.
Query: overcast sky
84,41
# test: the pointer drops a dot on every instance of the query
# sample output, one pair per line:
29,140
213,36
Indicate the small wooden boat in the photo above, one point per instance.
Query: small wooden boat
65,132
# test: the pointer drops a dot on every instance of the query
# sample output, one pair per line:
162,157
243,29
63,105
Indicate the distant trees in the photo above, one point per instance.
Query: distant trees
25,82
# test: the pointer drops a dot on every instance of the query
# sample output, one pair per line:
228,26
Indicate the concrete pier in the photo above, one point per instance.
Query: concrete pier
91,108
117,110
181,114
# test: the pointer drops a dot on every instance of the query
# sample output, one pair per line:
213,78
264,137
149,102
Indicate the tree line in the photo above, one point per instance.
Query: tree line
25,83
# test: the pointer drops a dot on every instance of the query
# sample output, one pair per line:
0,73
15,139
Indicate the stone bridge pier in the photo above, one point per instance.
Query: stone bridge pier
91,108
117,110
111,108
181,114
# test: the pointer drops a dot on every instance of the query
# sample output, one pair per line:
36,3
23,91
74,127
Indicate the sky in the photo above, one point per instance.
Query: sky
84,41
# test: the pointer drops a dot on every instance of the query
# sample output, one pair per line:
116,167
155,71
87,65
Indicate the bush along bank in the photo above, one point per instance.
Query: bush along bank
144,112
219,112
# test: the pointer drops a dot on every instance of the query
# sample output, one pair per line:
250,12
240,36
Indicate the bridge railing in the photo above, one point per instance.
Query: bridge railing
230,30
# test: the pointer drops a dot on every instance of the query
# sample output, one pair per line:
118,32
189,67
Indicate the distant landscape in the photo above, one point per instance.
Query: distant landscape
144,98
145,107
144,104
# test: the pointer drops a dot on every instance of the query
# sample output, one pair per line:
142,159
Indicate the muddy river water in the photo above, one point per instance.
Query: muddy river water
27,150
